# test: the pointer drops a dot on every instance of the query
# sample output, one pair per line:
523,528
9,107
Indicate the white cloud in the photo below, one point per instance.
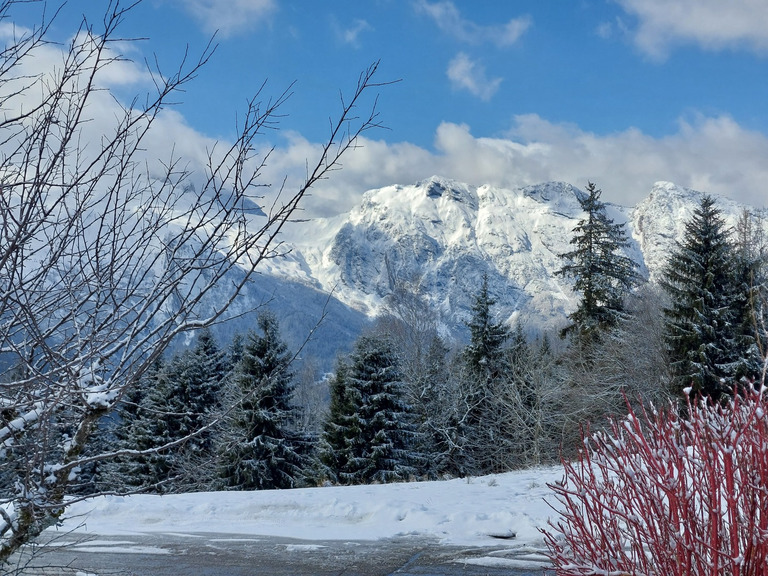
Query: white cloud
351,34
229,17
466,74
712,24
710,154
449,20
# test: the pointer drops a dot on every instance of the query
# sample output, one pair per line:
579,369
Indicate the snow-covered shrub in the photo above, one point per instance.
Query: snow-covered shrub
662,494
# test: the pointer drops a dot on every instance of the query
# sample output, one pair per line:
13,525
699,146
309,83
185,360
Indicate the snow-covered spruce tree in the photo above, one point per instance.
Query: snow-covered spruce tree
704,320
152,428
601,273
520,358
137,428
482,426
137,425
194,381
411,325
174,399
341,430
370,430
485,353
109,254
262,449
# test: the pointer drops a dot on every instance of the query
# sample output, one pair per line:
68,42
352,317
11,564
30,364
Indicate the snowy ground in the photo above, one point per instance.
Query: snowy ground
507,509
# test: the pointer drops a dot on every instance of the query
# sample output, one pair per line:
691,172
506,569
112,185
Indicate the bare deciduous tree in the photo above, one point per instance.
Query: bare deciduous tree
107,256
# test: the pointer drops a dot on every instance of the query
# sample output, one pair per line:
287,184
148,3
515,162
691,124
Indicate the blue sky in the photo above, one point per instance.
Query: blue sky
621,92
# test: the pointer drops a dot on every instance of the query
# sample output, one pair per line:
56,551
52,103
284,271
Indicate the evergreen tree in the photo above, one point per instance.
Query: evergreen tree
136,429
484,357
369,433
235,352
704,320
264,450
196,377
176,399
485,354
481,423
521,362
339,432
601,273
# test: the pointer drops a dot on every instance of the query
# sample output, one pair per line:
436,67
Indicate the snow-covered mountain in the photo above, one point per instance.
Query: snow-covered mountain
444,235
658,221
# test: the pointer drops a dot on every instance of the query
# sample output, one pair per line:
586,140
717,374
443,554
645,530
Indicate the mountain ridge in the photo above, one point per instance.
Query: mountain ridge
443,236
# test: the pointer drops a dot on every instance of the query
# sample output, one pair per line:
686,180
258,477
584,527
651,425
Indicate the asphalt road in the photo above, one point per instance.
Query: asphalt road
228,555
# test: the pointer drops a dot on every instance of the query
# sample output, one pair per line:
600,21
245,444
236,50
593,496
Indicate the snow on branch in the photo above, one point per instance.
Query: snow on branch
663,494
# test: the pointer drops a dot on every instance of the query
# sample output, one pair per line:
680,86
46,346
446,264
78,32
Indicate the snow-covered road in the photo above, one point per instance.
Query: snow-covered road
501,514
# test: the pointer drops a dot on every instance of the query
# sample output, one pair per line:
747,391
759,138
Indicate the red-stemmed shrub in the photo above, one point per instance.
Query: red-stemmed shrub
666,495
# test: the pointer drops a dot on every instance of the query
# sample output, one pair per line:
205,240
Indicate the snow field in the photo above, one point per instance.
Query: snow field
485,511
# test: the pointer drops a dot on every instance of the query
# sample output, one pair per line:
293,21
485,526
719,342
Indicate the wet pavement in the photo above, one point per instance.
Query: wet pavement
231,555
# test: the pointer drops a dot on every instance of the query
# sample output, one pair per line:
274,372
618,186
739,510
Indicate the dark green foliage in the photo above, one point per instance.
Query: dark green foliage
705,319
484,359
175,401
485,354
601,273
137,428
339,429
481,426
369,435
196,378
236,349
263,451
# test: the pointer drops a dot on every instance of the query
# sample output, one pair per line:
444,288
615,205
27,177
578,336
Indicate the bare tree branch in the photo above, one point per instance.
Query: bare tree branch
106,256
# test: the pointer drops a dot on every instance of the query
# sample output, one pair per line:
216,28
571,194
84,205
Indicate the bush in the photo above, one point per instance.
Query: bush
662,494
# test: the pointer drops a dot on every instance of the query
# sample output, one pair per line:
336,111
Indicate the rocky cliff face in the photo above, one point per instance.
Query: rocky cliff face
444,236
658,222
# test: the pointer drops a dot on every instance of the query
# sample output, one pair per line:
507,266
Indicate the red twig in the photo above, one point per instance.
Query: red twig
662,495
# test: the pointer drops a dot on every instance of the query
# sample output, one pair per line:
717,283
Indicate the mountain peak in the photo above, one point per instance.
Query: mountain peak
447,235
437,187
561,197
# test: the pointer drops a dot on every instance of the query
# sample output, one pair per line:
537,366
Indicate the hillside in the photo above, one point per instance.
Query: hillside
444,235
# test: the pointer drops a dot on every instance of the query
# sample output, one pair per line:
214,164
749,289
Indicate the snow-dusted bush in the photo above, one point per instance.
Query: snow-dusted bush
662,494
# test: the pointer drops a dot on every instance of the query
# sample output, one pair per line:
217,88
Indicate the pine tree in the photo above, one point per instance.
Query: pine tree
485,354
142,425
339,433
176,399
704,320
369,434
135,429
601,273
264,449
196,377
521,362
484,358
481,423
